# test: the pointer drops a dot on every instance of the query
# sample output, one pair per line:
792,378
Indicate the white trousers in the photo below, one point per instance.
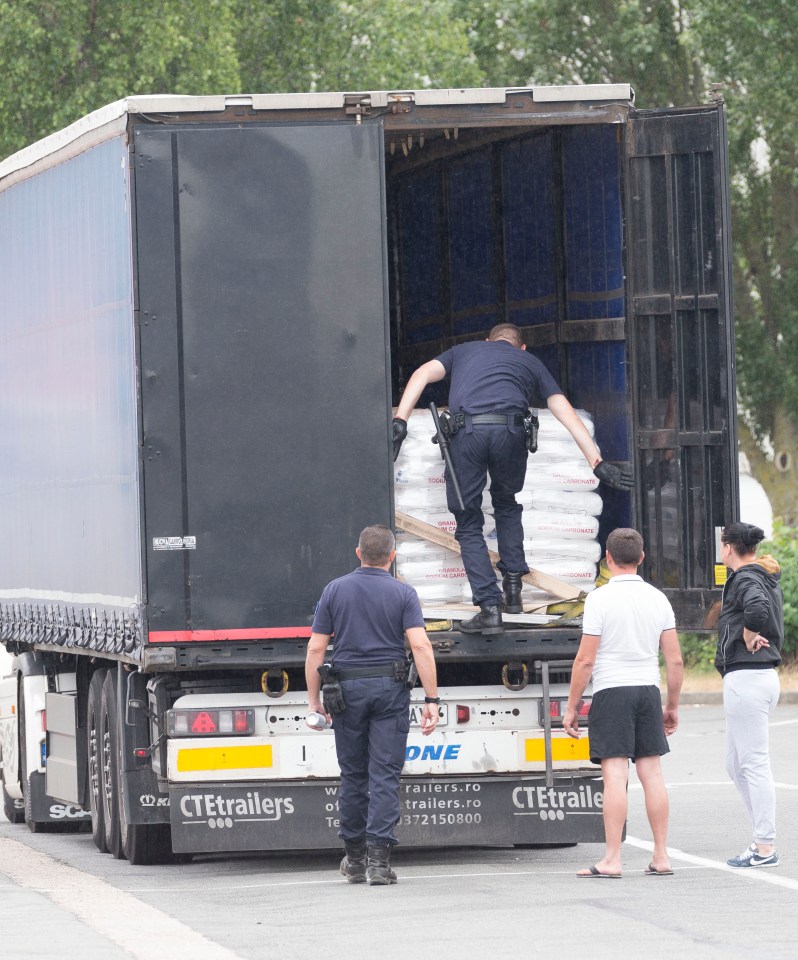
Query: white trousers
749,698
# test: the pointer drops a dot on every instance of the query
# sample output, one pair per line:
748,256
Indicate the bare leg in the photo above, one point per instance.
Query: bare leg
615,772
649,770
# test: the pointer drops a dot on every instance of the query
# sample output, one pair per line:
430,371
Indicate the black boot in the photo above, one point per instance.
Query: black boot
511,584
379,871
488,620
353,866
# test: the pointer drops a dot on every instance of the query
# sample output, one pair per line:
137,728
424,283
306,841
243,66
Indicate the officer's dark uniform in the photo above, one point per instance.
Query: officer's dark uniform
368,612
492,384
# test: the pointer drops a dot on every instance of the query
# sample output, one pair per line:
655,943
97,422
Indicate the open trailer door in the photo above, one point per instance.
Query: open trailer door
263,353
681,344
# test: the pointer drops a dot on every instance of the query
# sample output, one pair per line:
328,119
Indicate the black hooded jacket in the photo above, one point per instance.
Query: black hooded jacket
752,598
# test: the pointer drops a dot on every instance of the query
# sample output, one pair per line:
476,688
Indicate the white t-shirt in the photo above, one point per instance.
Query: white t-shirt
629,615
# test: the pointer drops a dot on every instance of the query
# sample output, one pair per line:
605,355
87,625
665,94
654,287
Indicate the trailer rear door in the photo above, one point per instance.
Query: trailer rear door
263,358
682,345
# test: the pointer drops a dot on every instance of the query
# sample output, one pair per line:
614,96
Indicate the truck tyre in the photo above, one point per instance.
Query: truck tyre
13,809
93,756
109,766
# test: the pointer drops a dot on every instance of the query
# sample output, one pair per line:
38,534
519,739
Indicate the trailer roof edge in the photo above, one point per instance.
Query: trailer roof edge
111,120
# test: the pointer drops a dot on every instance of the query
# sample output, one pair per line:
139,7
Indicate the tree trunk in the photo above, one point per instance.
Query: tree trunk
778,473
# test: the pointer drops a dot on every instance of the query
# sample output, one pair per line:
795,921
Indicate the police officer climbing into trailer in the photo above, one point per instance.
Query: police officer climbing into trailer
366,693
492,384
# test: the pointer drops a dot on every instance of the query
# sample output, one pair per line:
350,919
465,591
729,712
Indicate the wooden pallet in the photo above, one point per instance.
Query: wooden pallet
565,591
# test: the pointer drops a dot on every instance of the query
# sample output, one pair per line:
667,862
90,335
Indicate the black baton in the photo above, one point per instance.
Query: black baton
443,442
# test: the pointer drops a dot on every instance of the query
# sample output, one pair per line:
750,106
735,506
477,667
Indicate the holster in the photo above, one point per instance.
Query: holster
531,424
401,670
332,695
449,425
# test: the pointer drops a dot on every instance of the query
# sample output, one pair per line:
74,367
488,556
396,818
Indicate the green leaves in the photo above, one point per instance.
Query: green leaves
60,60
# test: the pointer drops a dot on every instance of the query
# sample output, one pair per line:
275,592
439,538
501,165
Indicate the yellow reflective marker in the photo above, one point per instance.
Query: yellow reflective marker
562,748
224,758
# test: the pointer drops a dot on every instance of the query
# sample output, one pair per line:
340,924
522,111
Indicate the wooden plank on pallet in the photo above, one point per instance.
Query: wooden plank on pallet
565,591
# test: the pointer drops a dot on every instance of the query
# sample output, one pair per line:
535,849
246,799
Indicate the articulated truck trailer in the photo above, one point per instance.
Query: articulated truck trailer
208,307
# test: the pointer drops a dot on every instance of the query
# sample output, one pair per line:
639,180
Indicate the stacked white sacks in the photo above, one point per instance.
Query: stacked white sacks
559,519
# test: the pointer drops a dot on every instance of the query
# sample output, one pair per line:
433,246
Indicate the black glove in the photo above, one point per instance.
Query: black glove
614,476
332,696
399,433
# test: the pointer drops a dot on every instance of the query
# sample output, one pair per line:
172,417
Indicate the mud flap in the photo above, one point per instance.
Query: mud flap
45,809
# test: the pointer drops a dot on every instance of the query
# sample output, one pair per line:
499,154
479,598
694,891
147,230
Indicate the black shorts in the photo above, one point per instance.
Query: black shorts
626,722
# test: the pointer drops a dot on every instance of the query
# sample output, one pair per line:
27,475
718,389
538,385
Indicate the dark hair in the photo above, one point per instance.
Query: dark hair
375,545
743,538
626,547
507,331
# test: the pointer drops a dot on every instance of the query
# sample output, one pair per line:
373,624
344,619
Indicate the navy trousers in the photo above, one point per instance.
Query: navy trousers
475,451
370,741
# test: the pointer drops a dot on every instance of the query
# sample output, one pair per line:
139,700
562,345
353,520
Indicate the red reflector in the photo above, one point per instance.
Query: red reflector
463,713
140,753
241,721
44,721
204,723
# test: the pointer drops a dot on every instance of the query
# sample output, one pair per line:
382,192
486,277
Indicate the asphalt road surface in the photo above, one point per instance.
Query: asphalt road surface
60,899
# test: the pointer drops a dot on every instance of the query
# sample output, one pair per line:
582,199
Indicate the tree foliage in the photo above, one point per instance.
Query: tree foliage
63,58
301,45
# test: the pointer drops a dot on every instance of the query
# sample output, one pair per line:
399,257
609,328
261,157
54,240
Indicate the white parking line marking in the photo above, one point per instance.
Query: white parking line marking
710,783
144,932
763,874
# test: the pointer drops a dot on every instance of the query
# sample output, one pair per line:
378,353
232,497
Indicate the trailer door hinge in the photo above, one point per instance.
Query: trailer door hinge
357,105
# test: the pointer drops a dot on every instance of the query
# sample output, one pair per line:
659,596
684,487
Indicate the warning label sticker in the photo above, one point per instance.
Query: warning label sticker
174,543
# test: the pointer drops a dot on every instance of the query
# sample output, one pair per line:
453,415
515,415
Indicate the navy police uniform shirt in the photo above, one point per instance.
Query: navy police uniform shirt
368,612
488,376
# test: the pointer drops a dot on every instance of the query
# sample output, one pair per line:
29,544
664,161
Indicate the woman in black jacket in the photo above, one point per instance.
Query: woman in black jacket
750,638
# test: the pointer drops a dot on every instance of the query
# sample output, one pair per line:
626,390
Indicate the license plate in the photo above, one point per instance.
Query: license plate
415,714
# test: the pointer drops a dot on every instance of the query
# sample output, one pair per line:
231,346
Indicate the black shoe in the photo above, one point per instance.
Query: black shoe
488,620
379,871
353,866
511,584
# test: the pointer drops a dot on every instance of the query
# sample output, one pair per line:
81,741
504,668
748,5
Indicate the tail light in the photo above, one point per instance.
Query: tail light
557,710
463,713
210,723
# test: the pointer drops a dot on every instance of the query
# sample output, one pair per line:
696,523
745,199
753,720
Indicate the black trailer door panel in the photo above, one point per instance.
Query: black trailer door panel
263,358
681,343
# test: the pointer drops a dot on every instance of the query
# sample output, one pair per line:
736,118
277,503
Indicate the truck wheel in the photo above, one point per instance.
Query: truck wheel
109,766
13,809
93,754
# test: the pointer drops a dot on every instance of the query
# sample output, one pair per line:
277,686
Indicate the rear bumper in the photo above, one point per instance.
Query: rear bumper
454,811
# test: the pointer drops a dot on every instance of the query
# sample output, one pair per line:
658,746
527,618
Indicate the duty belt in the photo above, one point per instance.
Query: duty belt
510,419
364,673
466,419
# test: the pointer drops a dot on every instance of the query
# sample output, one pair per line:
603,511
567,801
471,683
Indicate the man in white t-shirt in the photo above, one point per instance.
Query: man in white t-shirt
626,623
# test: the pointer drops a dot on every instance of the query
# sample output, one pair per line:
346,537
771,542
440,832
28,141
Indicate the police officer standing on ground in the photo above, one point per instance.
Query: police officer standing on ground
492,384
370,613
